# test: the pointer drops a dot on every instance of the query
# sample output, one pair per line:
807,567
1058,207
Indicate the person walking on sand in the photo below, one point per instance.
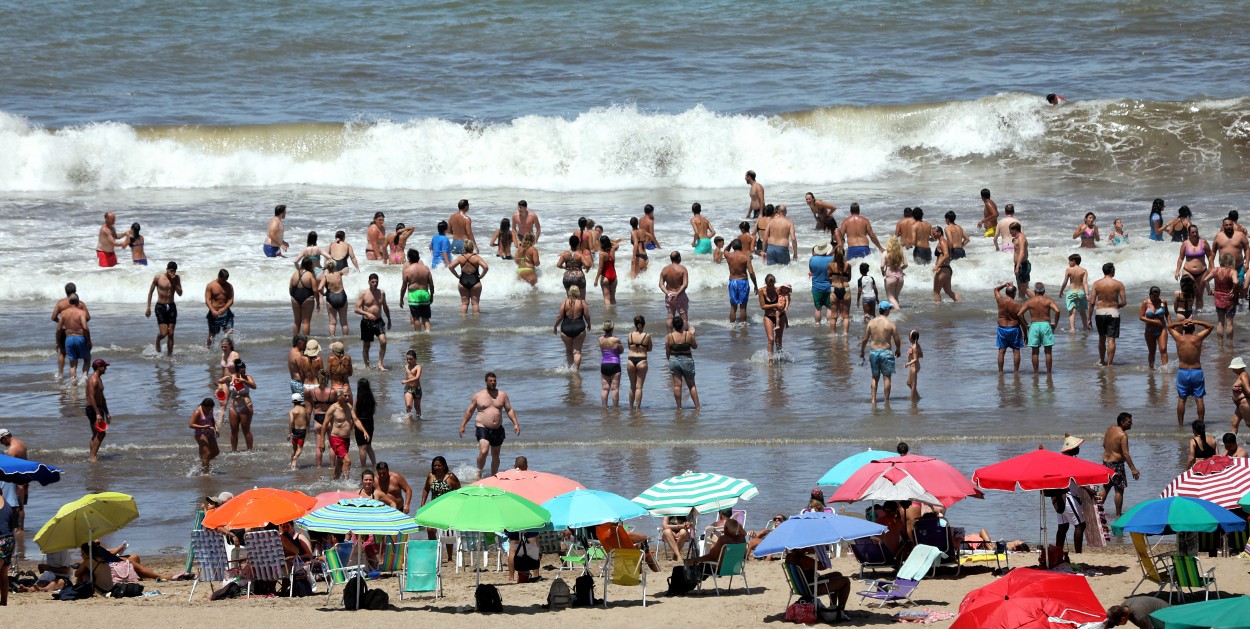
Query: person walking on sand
165,285
205,431
1109,298
1010,325
1115,457
219,297
488,407
881,334
98,416
371,305
275,233
1075,293
755,201
1040,308
1190,381
107,242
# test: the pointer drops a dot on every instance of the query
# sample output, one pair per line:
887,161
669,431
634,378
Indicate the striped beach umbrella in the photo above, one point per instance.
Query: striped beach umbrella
1220,479
362,516
701,492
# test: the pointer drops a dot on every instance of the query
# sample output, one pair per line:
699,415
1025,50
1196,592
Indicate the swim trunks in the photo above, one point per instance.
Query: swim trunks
8,544
991,232
704,245
298,435
297,387
76,348
1009,338
420,312
1041,334
492,436
650,246
739,292
371,329
882,362
681,366
922,255
677,303
958,253
457,247
419,300
1026,270
1071,511
92,418
143,262
1108,325
777,254
272,251
166,314
1190,383
106,259
857,251
218,324
1077,299
821,298
339,446
1119,479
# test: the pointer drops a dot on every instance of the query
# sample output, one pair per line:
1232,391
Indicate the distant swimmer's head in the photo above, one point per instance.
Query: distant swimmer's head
917,213
1039,288
750,176
1187,285
1155,291
1090,218
769,210
223,275
1010,209
340,235
809,197
442,228
373,280
744,227
648,209
885,307
134,230
633,222
1052,99
299,340
1108,269
505,225
1124,420
605,243
902,449
172,266
279,210
1156,205
1074,259
527,241
1183,212
985,193
1193,231
414,256
522,205
206,404
574,241
469,246
675,257
312,239
462,205
864,268
855,208
71,288
696,208
908,213
950,218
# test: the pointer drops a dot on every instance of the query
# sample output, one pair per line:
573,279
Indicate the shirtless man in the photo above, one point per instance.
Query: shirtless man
1232,241
1020,244
165,285
489,404
1042,326
461,227
70,289
1189,377
756,194
703,231
989,221
921,234
903,229
1003,230
369,489
957,236
1114,457
1010,326
219,297
97,407
340,421
880,333
1108,300
375,238
73,328
371,305
647,225
822,211
107,242
524,222
780,241
274,244
417,292
1076,293
740,268
396,486
857,231
674,279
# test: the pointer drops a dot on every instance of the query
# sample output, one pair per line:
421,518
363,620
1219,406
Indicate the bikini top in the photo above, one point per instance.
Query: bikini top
1200,252
1089,233
1156,313
776,298
679,349
639,344
136,243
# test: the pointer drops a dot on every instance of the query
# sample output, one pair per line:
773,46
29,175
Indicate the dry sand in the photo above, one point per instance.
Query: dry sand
764,605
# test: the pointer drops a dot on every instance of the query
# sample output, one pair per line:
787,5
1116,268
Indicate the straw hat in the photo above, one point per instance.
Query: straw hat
1237,363
1071,443
313,348
823,249
337,348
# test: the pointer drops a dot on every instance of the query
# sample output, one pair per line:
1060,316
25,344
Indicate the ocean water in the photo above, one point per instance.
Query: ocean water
195,118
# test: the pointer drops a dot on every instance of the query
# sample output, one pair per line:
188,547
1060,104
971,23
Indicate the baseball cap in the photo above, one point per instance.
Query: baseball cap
884,306
99,362
297,397
4,432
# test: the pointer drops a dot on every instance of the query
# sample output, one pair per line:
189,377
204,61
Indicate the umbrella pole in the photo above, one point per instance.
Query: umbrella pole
1041,508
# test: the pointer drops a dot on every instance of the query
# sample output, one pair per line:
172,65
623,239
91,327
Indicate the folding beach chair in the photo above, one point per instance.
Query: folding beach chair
1154,568
478,546
265,559
799,585
870,552
341,561
211,564
1187,573
391,558
423,568
580,554
938,533
899,590
732,563
199,519
626,569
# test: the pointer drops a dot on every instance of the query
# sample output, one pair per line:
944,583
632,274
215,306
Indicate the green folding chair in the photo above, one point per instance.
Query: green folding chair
1187,573
423,568
732,563
581,555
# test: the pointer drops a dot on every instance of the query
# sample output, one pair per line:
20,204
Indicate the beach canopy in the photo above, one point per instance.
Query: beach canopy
1221,479
1163,516
362,516
86,519
1220,613
815,528
538,487
1040,469
15,470
482,509
1028,597
589,507
910,477
851,464
256,508
699,491
330,497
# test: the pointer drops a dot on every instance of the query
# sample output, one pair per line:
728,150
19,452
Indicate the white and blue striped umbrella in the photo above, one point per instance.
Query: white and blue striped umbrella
362,516
701,492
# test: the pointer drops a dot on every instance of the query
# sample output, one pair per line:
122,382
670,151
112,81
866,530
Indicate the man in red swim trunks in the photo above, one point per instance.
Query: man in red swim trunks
107,242
341,418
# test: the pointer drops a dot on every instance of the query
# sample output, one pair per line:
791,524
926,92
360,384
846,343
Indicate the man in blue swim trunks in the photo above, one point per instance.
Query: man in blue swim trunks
740,267
881,333
461,227
703,231
1010,334
780,239
73,324
857,231
274,244
1190,381
818,269
1042,329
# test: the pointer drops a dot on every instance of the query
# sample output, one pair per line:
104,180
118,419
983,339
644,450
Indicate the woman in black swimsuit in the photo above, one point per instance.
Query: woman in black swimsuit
330,284
469,268
1202,446
304,296
774,304
839,273
575,262
571,324
639,344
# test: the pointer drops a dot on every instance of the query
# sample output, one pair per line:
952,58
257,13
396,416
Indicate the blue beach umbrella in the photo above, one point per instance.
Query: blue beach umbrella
1178,514
815,529
15,470
589,507
851,464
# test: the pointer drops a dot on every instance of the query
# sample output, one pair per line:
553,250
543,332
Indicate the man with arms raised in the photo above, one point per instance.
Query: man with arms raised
461,227
165,285
1115,456
1190,381
417,291
525,222
371,305
219,297
674,279
396,486
107,242
756,194
70,289
1042,328
274,234
881,333
1010,333
1108,300
856,231
489,405
740,268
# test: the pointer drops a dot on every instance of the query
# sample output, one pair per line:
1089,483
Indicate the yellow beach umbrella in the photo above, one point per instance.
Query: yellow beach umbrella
83,520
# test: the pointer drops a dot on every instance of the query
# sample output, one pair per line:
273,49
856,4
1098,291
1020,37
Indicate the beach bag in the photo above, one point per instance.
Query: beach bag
1053,556
354,592
584,591
525,561
487,599
376,599
126,590
801,611
76,592
680,582
229,590
559,596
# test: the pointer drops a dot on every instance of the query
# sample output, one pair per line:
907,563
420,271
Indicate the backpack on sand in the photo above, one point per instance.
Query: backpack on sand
355,593
559,596
584,591
487,599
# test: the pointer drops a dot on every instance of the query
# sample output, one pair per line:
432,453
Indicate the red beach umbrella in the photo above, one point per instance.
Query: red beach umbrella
1040,469
911,477
534,486
1026,599
1222,480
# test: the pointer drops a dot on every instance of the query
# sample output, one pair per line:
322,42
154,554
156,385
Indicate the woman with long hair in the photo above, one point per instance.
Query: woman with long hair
639,342
774,305
527,260
839,273
1154,315
606,277
439,481
892,265
330,284
677,349
1202,446
365,407
303,290
502,240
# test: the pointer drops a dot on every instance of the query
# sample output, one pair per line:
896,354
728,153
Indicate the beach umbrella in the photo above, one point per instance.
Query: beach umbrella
15,470
534,486
331,497
1222,480
815,528
851,464
695,491
256,508
482,509
1027,598
1244,503
1220,613
1179,514
86,519
910,477
361,516
588,507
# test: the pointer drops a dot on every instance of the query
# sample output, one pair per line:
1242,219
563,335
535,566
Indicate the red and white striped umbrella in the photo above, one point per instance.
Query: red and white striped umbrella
1220,479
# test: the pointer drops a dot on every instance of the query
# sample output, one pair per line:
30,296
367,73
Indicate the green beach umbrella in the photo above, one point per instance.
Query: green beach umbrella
1223,613
1244,503
702,492
483,509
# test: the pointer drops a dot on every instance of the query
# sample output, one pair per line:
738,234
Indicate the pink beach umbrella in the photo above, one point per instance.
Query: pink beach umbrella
534,486
332,497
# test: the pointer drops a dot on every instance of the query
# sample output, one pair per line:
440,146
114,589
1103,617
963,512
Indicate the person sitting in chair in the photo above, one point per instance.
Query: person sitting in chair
612,536
709,563
676,533
833,583
714,530
755,537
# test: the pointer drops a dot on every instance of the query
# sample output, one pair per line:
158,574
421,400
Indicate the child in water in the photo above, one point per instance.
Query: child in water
297,428
914,354
1118,236
718,253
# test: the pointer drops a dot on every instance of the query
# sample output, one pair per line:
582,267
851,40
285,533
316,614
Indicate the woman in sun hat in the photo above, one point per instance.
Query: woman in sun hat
1240,388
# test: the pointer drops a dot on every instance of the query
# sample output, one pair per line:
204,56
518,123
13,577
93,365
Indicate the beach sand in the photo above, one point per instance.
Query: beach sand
1116,567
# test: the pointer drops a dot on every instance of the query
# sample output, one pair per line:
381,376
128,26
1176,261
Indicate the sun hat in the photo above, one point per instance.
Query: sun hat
4,432
1071,443
220,499
1237,363
822,249
337,348
313,348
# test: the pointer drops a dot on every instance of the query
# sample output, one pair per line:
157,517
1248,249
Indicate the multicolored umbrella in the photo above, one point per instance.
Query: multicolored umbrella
1222,480
588,507
257,508
1164,516
1221,613
534,486
851,464
362,516
1026,599
86,519
15,470
698,491
910,477
815,528
482,509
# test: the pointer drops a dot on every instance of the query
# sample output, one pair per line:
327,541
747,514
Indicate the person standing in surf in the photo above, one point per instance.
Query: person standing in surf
165,285
461,227
525,222
417,292
107,242
989,220
274,244
703,231
375,238
487,408
371,305
755,195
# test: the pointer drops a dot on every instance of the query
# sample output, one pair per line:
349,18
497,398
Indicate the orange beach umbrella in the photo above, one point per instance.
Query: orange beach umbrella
260,507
